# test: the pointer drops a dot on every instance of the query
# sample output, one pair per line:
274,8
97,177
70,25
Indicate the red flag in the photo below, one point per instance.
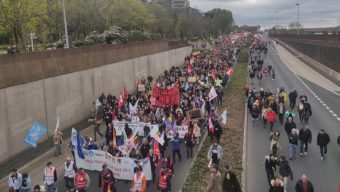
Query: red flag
121,101
156,151
211,126
189,68
126,94
213,74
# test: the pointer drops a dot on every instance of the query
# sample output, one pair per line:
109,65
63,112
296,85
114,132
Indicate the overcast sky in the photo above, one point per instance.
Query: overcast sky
313,13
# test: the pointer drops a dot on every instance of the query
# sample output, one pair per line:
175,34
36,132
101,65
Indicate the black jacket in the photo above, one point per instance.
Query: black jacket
305,135
293,139
299,186
292,96
289,127
285,170
270,164
230,183
323,139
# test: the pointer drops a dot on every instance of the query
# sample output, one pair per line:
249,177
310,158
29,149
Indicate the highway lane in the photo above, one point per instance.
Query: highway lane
323,174
181,168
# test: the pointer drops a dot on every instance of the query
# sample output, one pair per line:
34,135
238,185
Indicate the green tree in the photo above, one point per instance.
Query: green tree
164,20
219,21
130,15
19,17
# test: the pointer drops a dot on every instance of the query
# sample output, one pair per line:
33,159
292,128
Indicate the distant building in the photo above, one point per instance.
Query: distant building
180,4
166,3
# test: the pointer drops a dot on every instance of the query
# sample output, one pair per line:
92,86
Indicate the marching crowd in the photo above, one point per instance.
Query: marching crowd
275,107
201,73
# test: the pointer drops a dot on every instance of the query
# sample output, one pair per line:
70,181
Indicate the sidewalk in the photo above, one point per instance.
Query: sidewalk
35,168
303,70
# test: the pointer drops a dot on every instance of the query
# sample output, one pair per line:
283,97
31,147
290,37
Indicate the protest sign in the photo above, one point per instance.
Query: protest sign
122,167
135,126
141,87
35,134
154,133
181,130
194,115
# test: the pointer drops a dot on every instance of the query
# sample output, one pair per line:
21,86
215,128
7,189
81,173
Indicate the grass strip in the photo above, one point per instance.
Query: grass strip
232,138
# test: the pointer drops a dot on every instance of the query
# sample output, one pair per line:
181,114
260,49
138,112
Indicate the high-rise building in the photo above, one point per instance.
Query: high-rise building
180,4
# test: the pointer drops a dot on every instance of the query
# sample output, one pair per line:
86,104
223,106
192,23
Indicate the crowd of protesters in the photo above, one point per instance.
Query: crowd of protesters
279,108
209,70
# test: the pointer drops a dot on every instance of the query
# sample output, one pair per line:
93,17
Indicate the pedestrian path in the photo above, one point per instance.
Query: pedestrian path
303,70
36,167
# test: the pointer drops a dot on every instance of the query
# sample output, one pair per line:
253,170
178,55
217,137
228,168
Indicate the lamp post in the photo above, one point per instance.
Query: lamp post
277,21
298,19
65,26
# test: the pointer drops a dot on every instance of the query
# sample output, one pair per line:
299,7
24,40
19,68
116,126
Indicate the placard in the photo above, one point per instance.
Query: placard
122,167
194,115
141,87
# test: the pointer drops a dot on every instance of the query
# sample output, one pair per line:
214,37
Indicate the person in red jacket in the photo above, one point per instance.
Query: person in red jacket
81,180
271,117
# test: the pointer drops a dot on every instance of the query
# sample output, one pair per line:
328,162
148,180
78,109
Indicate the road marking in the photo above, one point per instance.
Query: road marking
317,97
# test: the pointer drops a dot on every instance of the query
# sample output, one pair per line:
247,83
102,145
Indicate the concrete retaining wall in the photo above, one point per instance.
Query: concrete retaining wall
70,95
329,73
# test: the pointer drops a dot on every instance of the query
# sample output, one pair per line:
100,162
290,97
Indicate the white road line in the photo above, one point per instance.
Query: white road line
317,97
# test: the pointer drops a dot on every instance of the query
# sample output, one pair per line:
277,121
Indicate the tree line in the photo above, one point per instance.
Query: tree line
105,21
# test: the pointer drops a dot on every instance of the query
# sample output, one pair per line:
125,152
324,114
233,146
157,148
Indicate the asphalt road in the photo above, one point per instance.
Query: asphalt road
181,168
324,174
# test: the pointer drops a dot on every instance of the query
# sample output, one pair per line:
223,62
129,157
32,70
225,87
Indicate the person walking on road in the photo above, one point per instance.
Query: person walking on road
265,110
189,140
81,180
271,117
305,137
164,182
289,125
215,153
322,141
106,175
109,184
138,181
70,171
259,76
255,112
214,180
230,182
15,180
285,171
58,141
176,148
50,177
292,98
303,185
293,139
274,142
276,185
281,110
26,183
270,166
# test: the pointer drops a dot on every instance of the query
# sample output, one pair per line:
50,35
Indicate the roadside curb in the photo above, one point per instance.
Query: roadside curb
244,156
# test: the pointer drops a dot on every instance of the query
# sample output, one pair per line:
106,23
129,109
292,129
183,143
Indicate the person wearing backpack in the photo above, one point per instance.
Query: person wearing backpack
293,139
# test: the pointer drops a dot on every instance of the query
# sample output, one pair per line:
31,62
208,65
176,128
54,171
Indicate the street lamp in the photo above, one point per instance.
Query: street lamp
277,21
298,21
65,26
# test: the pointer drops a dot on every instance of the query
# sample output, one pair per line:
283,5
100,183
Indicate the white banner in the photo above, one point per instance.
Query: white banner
212,94
122,167
181,130
154,133
136,126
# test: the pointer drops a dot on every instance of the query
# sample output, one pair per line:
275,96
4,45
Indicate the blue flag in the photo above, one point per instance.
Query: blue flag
35,134
78,142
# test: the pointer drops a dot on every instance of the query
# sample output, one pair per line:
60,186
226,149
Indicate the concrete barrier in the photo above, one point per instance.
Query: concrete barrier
319,67
70,95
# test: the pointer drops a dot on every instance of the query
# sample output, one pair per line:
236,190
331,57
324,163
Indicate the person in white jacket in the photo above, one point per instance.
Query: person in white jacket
215,153
50,177
15,180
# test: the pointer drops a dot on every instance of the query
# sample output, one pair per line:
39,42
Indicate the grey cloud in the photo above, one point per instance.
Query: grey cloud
313,13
